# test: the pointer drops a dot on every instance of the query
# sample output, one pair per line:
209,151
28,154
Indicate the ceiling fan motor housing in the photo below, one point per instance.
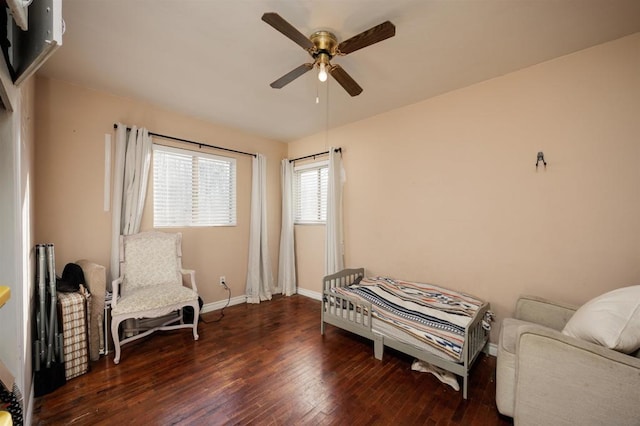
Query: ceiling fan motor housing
325,46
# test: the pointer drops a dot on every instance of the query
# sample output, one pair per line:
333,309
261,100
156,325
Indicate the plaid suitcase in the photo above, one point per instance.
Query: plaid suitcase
72,309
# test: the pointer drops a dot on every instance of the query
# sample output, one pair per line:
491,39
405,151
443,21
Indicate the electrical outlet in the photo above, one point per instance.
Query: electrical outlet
223,280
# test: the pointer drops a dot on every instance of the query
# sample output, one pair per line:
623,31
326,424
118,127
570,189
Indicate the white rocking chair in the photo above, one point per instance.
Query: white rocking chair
151,285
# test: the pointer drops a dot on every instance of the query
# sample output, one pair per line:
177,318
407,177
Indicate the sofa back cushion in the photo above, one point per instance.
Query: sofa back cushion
611,320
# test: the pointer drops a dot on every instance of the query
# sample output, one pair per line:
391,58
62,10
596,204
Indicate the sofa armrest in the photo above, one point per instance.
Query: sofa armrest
563,380
544,312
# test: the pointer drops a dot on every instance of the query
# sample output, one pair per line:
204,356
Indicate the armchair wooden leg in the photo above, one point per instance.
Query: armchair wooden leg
196,314
115,325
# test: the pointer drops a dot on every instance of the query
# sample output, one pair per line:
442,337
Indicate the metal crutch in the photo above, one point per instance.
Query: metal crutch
52,328
41,321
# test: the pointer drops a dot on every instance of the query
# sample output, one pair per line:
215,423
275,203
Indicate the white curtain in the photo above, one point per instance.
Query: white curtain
259,275
287,259
131,172
334,243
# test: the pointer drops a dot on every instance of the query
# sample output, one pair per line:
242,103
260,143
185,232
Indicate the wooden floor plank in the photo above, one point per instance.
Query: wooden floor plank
265,364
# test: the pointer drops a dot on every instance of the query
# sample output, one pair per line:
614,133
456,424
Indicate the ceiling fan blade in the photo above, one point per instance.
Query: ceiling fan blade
290,76
366,38
277,22
345,80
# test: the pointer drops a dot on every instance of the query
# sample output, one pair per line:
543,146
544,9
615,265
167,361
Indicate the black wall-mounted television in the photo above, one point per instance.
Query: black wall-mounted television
25,51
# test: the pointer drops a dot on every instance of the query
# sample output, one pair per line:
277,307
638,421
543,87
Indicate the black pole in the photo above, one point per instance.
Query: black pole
315,155
200,144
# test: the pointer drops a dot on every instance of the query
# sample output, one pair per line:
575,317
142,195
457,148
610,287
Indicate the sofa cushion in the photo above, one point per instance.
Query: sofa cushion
509,333
611,320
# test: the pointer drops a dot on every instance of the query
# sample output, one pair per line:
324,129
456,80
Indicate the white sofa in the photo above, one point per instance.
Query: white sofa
546,377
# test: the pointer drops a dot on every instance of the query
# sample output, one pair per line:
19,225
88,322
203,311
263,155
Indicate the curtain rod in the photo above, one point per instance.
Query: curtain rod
200,145
315,155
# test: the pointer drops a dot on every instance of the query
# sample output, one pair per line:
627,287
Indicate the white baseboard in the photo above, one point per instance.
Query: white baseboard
209,307
491,349
310,293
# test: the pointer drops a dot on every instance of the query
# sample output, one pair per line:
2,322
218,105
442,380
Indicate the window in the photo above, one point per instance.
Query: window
193,188
310,192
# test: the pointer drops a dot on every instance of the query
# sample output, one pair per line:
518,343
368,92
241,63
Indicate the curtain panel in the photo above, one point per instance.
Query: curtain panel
334,242
259,275
287,260
131,172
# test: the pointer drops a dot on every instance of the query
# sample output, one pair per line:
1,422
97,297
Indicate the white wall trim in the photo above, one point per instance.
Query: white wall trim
214,306
491,349
310,293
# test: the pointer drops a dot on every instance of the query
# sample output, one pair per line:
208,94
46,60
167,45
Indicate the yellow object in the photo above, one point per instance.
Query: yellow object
5,418
5,293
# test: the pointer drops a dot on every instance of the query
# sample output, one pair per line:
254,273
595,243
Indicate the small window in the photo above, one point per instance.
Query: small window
310,192
193,188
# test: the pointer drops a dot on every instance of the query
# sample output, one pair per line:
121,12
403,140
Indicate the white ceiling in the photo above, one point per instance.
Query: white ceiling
214,59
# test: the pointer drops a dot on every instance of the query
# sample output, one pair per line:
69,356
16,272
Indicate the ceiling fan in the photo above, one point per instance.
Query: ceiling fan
323,46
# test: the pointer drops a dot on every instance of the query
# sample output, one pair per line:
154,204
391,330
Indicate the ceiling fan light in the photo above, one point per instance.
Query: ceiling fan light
322,75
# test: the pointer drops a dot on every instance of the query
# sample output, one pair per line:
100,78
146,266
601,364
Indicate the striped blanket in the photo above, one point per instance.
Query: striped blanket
431,314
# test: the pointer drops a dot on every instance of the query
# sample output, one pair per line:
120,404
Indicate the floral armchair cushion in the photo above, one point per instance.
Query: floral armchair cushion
151,259
144,300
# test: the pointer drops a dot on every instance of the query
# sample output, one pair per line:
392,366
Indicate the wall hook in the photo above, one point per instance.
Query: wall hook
541,158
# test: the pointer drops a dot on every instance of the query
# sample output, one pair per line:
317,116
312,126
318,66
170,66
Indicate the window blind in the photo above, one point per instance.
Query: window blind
310,193
193,188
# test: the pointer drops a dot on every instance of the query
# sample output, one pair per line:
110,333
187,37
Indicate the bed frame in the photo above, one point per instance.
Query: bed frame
355,316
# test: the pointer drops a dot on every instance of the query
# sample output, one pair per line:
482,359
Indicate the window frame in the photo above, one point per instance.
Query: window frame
317,165
194,221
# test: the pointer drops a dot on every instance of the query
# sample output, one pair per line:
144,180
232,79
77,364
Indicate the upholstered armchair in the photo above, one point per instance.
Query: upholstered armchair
152,284
555,365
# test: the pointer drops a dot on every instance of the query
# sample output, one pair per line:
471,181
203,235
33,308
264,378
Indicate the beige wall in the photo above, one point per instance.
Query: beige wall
445,191
72,122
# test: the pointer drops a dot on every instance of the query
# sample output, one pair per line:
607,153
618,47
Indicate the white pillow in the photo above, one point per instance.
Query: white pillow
611,320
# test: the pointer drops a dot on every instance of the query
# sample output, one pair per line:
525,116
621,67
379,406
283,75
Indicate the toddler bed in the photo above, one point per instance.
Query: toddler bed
442,327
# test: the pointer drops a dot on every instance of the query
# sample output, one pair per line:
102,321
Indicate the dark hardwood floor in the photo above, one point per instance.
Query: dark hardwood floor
265,364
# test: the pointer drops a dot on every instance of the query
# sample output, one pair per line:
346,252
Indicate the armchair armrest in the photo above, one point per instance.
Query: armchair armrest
115,286
544,312
563,380
189,279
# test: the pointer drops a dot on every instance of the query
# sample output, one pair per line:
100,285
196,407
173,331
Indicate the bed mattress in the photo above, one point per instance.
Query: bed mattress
425,316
